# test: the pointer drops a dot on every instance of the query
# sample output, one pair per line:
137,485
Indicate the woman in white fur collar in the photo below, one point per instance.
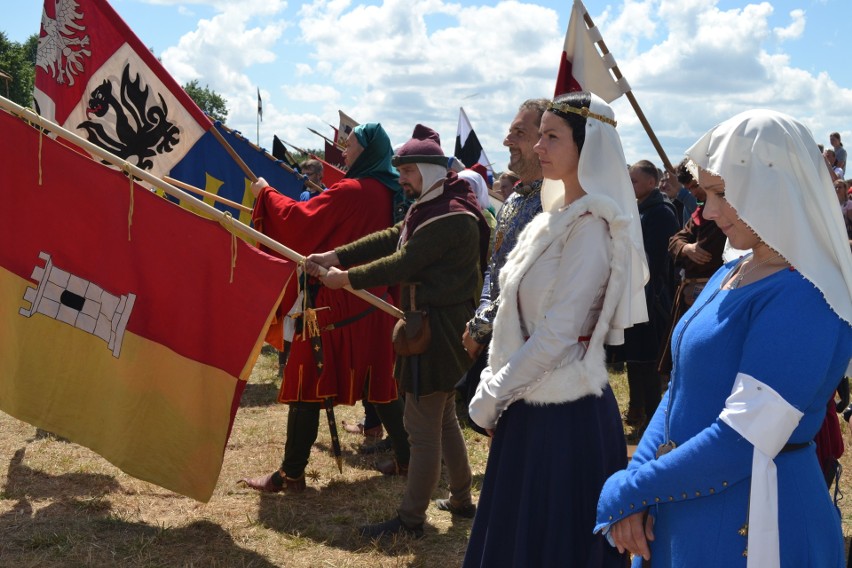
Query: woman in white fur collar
573,282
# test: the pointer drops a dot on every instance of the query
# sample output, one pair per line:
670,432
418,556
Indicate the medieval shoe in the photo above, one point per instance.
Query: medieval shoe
275,483
392,467
390,528
467,510
271,483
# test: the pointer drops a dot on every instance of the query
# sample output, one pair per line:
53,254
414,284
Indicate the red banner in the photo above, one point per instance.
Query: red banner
129,324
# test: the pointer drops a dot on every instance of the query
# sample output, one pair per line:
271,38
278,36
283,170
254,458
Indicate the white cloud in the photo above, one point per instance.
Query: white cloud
399,62
311,93
796,27
393,68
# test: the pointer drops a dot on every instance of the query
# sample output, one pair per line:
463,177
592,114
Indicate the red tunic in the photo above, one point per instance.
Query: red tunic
347,211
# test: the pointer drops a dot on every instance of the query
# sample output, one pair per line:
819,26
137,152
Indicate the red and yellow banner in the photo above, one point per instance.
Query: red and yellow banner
123,325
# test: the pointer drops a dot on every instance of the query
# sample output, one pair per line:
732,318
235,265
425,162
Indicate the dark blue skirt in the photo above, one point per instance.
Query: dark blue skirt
544,475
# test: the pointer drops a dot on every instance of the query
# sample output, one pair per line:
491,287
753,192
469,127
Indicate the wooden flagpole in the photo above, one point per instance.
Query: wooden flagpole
201,192
629,94
244,167
191,202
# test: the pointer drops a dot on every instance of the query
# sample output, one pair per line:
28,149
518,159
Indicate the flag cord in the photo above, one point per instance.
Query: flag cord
226,221
126,168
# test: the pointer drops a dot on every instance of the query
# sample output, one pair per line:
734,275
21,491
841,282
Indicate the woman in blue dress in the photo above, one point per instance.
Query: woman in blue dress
726,473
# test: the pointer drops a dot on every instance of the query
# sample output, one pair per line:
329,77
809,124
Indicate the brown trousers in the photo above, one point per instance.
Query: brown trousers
434,432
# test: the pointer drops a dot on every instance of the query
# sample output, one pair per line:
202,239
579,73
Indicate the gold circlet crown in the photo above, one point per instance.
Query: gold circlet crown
582,111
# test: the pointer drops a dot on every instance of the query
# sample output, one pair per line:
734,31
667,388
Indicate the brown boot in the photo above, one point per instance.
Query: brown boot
275,483
373,435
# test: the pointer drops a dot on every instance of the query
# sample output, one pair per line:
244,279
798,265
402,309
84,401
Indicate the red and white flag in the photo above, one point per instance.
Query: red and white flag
97,79
583,68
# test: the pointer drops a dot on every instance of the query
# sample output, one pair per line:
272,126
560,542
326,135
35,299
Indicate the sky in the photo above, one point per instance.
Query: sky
691,63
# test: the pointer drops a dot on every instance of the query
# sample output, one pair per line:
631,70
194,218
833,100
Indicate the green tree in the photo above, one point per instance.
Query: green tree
209,100
17,61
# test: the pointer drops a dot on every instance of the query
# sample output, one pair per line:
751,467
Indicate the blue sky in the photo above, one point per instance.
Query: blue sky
691,63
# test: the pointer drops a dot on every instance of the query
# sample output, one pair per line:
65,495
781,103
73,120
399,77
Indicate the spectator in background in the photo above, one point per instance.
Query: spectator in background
313,170
508,179
518,210
839,151
697,253
831,161
841,188
643,342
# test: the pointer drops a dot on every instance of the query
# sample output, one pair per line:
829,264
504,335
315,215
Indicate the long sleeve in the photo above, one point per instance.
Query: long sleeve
370,247
582,271
433,258
679,240
802,366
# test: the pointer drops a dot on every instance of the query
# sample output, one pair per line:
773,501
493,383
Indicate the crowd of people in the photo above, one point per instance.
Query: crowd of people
723,287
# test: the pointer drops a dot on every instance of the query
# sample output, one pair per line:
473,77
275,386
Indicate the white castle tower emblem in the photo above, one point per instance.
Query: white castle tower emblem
82,304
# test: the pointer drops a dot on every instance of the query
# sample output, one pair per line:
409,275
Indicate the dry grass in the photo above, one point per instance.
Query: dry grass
62,505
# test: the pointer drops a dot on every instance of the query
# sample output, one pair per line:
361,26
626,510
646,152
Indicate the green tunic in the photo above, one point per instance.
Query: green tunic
442,257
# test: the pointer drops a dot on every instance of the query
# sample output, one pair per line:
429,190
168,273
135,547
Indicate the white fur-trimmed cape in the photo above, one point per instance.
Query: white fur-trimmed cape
574,379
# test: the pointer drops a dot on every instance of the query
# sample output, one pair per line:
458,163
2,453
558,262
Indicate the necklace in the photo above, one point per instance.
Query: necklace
742,273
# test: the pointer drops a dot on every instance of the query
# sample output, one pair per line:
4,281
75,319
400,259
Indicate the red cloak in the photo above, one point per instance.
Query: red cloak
349,210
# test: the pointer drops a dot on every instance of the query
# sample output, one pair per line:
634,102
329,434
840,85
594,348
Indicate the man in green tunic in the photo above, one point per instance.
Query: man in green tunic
439,248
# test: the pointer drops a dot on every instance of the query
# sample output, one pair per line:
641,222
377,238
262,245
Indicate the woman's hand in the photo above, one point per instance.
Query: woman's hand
633,533
257,186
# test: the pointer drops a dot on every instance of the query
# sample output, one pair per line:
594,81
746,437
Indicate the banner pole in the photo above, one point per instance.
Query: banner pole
630,97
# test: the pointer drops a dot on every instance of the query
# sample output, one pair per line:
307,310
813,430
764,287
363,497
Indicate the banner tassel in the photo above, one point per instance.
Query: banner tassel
126,169
40,136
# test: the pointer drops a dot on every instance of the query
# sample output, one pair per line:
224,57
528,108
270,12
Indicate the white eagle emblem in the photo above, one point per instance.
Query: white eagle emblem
61,49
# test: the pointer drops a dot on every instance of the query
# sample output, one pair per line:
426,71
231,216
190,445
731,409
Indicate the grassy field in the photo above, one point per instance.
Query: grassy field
62,505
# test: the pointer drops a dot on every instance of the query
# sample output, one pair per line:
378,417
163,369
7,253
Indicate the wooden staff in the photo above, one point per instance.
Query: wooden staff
201,192
332,142
190,201
296,148
618,76
244,167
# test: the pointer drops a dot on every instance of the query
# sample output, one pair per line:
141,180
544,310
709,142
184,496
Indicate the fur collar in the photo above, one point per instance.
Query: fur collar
570,380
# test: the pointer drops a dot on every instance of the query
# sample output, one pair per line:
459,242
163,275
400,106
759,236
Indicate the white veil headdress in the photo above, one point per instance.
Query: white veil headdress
603,171
777,180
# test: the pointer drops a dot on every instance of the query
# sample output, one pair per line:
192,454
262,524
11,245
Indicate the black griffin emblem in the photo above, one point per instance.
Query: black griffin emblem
140,131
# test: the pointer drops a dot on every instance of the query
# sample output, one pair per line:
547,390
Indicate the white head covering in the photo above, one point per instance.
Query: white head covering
477,184
603,171
776,179
431,174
